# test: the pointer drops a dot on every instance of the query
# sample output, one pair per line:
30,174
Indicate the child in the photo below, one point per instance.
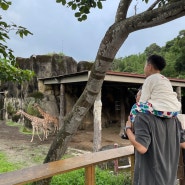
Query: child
157,95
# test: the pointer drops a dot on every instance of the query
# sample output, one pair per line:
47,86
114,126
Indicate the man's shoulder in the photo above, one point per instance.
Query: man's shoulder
152,118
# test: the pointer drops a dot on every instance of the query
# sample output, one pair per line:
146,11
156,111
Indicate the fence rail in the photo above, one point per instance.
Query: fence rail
86,161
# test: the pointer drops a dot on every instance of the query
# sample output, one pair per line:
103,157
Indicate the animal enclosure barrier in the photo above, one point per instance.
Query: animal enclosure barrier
87,161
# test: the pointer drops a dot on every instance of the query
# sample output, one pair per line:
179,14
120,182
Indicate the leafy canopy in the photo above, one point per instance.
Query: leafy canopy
9,70
172,51
83,7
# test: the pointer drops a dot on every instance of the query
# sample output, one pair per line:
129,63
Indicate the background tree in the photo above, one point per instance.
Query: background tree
152,49
173,52
160,12
132,64
9,70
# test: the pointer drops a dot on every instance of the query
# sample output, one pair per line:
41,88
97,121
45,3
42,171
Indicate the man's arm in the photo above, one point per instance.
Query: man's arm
139,147
182,145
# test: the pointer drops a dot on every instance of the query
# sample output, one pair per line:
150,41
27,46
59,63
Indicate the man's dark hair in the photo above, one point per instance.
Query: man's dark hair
157,61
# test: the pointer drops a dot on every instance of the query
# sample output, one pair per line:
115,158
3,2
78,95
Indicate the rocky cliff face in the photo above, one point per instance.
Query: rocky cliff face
44,66
48,66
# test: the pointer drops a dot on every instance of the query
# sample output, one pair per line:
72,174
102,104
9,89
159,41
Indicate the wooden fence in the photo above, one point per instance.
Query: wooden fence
86,161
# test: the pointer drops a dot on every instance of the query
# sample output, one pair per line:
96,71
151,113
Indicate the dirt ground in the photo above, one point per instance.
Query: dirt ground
19,149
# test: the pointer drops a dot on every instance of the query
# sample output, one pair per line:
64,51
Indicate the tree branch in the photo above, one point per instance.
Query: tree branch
153,5
122,10
155,17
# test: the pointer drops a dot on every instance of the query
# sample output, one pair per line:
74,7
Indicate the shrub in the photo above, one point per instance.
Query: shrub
36,95
102,178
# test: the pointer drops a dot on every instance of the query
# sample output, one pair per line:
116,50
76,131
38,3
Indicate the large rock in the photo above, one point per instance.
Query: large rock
44,66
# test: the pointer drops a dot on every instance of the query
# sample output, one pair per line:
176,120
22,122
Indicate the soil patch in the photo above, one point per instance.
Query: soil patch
19,149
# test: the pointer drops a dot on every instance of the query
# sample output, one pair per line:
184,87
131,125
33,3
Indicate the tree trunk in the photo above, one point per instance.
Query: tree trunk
112,41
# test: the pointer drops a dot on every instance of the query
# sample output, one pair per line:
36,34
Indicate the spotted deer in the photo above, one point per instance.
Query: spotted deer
49,118
37,123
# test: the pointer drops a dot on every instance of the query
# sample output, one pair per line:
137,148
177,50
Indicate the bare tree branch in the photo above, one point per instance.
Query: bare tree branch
153,5
155,17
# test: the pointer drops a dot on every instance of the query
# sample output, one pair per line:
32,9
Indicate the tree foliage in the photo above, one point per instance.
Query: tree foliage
9,70
172,51
82,7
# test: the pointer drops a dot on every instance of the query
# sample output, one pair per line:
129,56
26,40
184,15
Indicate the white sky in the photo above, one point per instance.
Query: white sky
55,29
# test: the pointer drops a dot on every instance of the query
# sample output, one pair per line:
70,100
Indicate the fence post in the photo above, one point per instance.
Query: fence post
181,170
132,167
115,161
90,175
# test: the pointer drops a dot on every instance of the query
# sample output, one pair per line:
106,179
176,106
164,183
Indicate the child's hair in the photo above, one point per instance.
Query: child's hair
157,61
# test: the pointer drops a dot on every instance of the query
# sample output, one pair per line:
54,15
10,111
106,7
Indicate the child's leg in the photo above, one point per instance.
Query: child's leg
165,114
140,107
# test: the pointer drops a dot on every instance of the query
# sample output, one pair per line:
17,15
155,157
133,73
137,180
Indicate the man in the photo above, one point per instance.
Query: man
157,141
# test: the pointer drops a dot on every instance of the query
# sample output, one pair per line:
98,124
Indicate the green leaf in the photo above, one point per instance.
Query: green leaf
99,5
77,14
70,3
58,1
5,4
61,1
146,1
84,17
74,6
10,72
80,19
3,24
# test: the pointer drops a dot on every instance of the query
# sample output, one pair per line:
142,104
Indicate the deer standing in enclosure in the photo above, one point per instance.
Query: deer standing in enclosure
49,118
37,123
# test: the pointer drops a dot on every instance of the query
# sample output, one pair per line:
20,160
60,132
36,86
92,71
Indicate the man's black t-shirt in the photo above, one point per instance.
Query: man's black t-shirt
162,137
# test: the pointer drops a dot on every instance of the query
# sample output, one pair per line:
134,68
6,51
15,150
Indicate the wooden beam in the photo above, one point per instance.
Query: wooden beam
46,170
90,175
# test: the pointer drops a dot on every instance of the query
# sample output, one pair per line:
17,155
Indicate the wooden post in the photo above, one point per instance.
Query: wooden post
97,123
132,168
179,96
62,105
178,91
115,161
5,105
180,172
122,112
90,175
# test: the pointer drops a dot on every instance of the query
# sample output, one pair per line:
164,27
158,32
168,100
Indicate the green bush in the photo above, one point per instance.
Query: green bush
10,109
103,177
36,95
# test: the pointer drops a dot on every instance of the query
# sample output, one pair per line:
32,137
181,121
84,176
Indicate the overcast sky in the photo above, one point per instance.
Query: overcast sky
55,29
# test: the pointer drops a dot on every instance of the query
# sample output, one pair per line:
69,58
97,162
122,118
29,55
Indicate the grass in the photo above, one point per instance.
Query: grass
76,177
5,165
22,129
